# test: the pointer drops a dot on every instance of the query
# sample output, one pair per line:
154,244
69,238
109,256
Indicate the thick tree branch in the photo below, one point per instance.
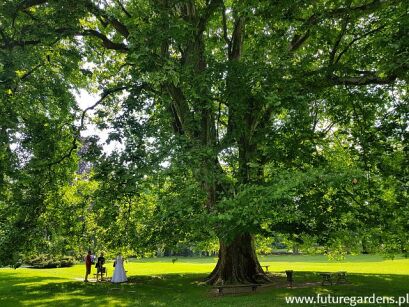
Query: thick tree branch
211,7
298,40
25,4
237,38
180,109
316,18
106,42
176,124
346,11
116,24
19,43
327,77
119,2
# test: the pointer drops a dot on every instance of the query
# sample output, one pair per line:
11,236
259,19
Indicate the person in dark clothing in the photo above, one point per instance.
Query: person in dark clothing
100,266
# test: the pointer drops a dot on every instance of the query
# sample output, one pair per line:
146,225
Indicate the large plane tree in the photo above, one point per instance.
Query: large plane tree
252,98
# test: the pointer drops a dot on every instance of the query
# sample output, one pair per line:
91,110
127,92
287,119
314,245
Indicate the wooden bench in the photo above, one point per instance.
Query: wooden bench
327,277
341,277
220,288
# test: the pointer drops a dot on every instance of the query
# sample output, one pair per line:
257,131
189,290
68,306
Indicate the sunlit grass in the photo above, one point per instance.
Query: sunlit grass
159,282
370,264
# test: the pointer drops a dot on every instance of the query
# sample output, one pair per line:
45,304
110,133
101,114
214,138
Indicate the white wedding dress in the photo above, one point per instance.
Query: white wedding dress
119,272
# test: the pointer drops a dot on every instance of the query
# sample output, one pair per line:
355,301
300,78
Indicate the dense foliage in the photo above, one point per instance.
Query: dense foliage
233,117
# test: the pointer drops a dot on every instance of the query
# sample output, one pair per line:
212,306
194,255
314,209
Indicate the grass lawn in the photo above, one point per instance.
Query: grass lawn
159,282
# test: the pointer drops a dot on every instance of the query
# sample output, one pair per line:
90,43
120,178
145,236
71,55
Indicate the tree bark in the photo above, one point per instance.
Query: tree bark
238,263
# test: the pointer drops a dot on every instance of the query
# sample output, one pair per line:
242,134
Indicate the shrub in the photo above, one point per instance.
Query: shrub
48,261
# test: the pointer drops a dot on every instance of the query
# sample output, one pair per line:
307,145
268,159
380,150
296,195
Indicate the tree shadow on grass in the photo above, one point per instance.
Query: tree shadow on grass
160,290
14,288
181,290
353,279
358,285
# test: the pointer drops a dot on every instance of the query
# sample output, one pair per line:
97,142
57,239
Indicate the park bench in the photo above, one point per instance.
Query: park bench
220,288
341,277
327,277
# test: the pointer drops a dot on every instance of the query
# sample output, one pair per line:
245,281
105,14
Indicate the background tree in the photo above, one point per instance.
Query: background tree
37,111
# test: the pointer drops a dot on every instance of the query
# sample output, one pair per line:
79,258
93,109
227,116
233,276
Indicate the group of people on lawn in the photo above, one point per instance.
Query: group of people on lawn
119,271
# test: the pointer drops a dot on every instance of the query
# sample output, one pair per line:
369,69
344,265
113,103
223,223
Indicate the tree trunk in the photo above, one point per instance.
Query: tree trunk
238,263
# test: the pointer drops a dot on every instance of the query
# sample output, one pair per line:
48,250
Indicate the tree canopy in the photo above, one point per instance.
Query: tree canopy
235,118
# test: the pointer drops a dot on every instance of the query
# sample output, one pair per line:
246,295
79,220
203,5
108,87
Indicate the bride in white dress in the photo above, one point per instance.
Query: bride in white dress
119,272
